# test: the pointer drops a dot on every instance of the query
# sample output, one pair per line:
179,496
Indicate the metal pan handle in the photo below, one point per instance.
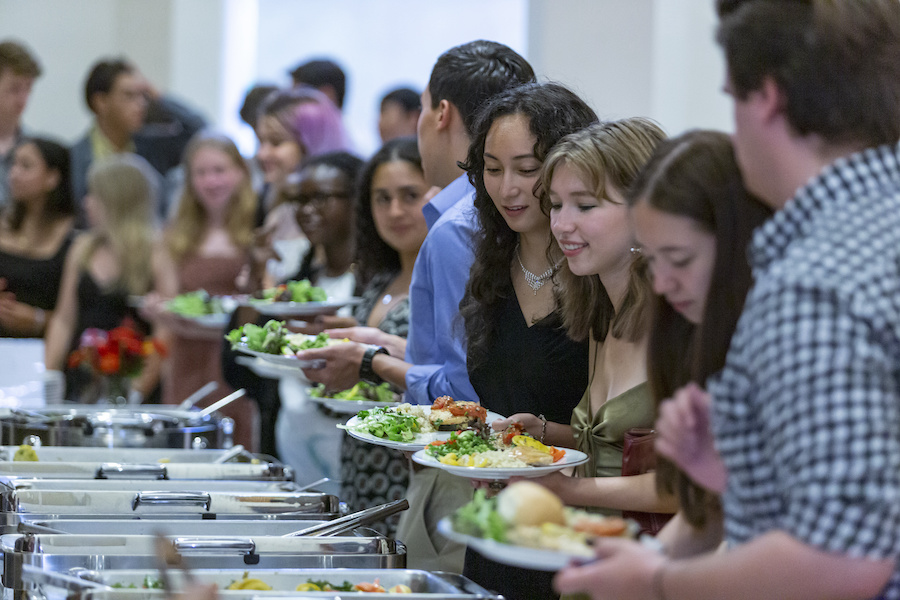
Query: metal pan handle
223,545
38,576
353,520
117,470
172,499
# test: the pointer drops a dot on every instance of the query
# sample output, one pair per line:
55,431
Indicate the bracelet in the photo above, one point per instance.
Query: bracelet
543,427
39,318
659,593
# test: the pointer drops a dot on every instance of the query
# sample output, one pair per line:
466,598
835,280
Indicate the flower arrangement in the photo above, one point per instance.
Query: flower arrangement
113,358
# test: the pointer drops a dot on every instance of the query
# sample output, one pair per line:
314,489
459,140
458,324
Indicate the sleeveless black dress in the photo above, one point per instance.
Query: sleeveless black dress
537,370
34,281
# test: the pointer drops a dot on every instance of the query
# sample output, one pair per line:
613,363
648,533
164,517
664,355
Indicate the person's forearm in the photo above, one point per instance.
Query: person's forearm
775,565
559,435
57,340
391,369
680,539
637,493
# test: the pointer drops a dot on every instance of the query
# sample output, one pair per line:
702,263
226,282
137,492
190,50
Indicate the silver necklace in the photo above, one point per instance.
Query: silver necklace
535,282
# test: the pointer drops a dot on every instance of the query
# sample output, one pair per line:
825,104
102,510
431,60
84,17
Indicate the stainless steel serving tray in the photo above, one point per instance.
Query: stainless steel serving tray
179,527
10,485
62,553
150,504
138,427
124,455
109,470
425,585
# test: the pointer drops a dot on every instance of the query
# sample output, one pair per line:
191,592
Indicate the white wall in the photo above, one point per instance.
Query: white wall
381,44
654,58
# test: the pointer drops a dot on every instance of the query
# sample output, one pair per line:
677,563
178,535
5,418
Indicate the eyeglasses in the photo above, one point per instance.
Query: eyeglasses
318,200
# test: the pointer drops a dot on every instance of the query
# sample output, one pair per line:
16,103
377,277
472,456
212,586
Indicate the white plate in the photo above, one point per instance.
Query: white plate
571,459
421,440
508,554
537,559
286,360
350,407
300,309
213,321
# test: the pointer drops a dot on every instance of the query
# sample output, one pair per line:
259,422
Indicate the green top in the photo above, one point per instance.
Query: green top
602,436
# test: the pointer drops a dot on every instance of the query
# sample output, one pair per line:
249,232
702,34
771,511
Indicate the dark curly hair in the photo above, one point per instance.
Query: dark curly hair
373,254
553,111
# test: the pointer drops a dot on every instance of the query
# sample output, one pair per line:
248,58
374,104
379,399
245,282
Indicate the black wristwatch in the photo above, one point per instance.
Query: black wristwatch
365,367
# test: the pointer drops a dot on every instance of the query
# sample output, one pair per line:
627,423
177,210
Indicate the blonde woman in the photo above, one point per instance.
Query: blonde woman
118,257
606,297
208,242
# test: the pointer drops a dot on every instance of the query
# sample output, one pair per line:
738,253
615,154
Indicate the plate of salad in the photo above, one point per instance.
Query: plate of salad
405,427
362,396
275,343
202,308
499,456
297,299
527,526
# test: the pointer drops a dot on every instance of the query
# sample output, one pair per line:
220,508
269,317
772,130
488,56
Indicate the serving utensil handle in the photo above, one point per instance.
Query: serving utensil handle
114,470
218,545
172,499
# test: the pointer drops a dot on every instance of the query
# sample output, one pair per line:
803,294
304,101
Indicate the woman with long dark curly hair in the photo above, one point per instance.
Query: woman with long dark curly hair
519,357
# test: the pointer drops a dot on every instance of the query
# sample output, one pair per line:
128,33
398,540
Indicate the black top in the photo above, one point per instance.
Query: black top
535,369
98,309
34,281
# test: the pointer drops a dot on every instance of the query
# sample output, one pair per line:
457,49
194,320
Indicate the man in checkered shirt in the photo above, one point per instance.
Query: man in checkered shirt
806,413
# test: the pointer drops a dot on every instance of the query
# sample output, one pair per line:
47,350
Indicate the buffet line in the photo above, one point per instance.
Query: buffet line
99,502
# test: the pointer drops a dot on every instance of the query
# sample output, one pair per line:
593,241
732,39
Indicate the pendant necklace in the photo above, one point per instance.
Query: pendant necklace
536,282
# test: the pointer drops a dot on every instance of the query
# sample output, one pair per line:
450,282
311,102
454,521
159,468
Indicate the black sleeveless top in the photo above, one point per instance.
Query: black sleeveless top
35,281
535,369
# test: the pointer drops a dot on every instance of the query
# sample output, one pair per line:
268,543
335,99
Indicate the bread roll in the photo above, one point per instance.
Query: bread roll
527,503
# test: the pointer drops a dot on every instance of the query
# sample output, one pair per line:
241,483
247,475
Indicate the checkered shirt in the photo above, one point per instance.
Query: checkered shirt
807,409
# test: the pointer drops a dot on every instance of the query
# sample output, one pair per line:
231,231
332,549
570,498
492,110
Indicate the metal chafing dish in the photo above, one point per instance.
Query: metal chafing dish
109,470
424,585
16,505
175,527
62,553
12,484
134,455
139,427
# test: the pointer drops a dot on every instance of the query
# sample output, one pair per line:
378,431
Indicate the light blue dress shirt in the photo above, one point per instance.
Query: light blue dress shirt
435,345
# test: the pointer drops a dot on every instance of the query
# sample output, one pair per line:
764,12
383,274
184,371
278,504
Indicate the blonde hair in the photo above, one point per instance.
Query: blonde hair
124,185
185,233
603,155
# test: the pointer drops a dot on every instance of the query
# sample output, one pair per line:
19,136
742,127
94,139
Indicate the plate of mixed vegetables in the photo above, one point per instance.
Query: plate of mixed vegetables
203,308
405,427
273,342
297,299
497,455
362,396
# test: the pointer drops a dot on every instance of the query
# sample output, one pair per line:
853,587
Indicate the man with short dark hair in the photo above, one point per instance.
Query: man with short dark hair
462,80
399,114
806,412
326,76
130,116
18,70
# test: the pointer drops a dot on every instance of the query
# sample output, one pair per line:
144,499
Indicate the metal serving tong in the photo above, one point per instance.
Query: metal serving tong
353,520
